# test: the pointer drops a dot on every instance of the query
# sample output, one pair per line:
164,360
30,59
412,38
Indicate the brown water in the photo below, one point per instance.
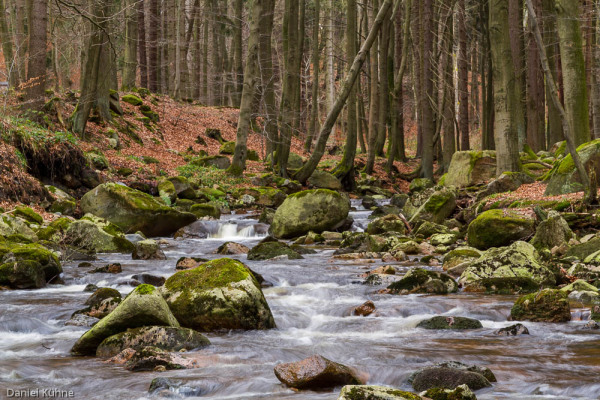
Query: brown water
310,299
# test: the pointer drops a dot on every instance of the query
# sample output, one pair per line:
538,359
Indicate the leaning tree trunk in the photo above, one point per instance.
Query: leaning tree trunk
573,69
506,98
374,99
591,190
36,69
306,171
251,81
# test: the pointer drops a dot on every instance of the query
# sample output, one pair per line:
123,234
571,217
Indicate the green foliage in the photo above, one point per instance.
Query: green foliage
20,130
211,176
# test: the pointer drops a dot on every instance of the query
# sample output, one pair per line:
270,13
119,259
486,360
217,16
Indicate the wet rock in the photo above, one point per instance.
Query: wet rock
90,287
28,266
189,262
462,392
508,285
269,250
513,330
132,210
97,235
228,248
365,309
166,338
450,375
266,216
388,223
310,210
497,228
384,210
459,256
220,294
101,303
371,392
369,202
82,320
149,279
144,306
147,250
315,372
520,259
439,206
356,242
552,232
206,210
154,359
454,323
549,305
419,280
114,268
17,229
324,180
167,387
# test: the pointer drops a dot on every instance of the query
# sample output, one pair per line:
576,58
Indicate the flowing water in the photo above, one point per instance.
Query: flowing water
310,300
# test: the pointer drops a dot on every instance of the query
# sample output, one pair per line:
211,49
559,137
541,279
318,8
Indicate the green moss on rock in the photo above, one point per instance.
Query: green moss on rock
549,305
496,228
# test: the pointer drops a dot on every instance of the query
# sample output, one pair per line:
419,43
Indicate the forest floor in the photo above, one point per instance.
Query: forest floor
162,148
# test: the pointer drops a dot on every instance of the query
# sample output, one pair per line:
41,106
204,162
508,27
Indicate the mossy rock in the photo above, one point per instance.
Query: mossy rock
554,231
549,305
28,215
97,160
144,306
266,196
496,228
460,255
209,194
268,250
471,168
166,191
132,99
227,148
183,187
150,160
148,113
324,180
97,235
462,392
56,230
132,210
16,228
439,206
450,323
450,375
101,303
371,392
310,210
419,280
168,338
507,285
220,162
220,294
63,202
584,250
252,155
206,210
428,229
564,177
27,266
517,260
420,184
356,242
294,160
580,286
388,223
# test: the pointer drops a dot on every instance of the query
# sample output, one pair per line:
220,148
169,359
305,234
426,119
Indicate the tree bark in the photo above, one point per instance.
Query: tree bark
142,53
267,75
306,171
427,93
131,42
153,24
374,97
314,109
515,22
36,69
7,48
238,68
536,108
463,78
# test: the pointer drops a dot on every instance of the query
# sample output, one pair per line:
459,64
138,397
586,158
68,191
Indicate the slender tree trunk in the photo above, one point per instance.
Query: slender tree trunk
515,22
427,119
131,46
21,39
36,68
554,126
205,68
238,68
506,98
314,109
374,97
267,74
153,24
7,48
384,46
463,78
596,73
448,125
573,69
536,108
142,54
306,171
330,78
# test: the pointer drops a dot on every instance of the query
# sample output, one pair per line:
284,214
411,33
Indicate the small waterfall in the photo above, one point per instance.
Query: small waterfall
233,230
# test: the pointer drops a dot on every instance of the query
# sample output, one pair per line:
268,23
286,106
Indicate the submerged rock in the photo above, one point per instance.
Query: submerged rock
151,358
507,285
269,250
549,305
101,303
144,306
462,392
310,210
450,375
371,392
316,372
219,294
228,248
365,309
166,338
419,280
454,323
496,228
513,330
132,210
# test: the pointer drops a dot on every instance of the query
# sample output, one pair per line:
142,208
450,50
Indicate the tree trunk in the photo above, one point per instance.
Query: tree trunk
536,108
596,74
448,125
427,92
7,48
573,69
142,54
21,39
384,46
153,24
306,171
267,75
506,98
374,97
515,22
463,78
36,69
238,68
554,126
131,39
314,109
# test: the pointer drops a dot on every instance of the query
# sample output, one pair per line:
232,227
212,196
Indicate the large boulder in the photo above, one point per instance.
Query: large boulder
167,338
496,228
371,392
17,229
520,259
470,168
565,179
324,180
508,182
132,210
310,210
62,202
147,250
552,232
219,162
219,294
549,305
439,206
271,249
144,306
27,266
450,375
97,235
389,223
316,372
419,280
584,250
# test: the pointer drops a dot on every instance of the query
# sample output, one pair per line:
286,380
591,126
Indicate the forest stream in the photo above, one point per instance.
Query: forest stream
310,300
